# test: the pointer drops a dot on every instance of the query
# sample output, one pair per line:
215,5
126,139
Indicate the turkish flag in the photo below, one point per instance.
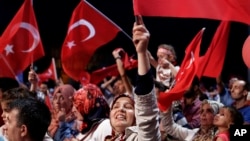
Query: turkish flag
98,75
50,73
129,62
228,10
88,30
185,75
20,43
212,62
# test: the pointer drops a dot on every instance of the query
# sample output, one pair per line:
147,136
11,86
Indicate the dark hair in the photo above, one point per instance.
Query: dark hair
168,47
190,94
34,114
119,96
16,93
236,116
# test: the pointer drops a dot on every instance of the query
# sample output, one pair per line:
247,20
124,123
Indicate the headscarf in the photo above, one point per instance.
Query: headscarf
119,136
90,102
67,92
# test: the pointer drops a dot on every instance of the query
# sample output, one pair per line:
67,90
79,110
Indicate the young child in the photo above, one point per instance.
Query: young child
226,117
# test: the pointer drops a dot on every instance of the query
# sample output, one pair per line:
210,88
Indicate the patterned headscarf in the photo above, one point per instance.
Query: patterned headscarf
90,102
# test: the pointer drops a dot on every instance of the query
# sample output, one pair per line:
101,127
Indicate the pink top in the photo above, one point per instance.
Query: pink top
223,135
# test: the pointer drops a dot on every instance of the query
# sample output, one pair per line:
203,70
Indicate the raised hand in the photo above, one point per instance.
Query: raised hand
119,52
32,76
140,36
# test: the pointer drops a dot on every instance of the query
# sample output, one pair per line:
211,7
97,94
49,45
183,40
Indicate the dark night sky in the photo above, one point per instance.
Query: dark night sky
53,17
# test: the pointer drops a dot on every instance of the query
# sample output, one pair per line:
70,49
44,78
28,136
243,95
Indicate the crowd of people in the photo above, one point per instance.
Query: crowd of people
118,111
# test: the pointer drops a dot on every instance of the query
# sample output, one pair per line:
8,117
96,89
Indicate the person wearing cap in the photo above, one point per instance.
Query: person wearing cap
137,118
205,132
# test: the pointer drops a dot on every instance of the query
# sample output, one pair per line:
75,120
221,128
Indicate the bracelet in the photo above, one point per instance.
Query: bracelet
118,57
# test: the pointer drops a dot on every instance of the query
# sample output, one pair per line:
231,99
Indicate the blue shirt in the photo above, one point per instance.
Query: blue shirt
226,98
245,111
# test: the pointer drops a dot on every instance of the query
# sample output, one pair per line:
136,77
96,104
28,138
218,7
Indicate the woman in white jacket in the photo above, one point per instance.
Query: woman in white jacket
138,119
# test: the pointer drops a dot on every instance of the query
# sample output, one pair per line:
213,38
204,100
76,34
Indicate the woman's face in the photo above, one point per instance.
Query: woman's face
122,115
60,101
206,115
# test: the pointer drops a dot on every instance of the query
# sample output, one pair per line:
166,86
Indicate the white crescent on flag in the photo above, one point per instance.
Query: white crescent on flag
85,23
35,34
191,60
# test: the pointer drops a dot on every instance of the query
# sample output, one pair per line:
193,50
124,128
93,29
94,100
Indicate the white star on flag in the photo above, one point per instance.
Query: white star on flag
9,49
71,44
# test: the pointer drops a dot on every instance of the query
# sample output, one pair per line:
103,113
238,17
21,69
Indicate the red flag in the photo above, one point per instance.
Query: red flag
228,10
211,63
185,75
20,43
88,30
98,75
50,73
129,62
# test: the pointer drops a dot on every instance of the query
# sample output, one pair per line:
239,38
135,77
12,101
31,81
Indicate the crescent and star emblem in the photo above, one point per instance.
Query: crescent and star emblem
35,34
82,22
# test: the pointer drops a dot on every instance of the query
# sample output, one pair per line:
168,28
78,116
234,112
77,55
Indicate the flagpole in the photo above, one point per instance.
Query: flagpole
54,67
108,19
11,70
32,56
